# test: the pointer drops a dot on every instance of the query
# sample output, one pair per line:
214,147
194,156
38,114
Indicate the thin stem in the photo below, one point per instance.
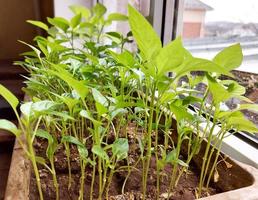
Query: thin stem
54,177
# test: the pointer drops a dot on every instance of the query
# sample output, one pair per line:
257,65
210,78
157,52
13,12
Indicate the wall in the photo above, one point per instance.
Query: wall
193,23
61,7
13,14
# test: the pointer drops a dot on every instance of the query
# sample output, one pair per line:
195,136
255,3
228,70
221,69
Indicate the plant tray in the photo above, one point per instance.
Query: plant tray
238,181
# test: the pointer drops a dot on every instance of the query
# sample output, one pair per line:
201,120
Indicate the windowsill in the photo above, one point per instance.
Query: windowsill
240,150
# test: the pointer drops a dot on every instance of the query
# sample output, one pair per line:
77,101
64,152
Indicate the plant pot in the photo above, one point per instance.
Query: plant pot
238,181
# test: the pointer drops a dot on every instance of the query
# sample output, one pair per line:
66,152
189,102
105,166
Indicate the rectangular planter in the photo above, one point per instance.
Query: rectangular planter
239,181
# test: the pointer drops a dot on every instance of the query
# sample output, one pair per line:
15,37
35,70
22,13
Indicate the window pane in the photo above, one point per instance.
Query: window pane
211,25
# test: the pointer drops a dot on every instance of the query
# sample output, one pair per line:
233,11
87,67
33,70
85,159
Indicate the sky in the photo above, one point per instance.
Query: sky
245,11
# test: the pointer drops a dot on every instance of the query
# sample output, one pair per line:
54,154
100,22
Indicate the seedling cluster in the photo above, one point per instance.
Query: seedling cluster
85,89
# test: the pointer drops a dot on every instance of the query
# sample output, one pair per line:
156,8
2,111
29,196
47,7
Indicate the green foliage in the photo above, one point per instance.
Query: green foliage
230,57
38,24
145,36
170,56
100,152
9,126
120,148
9,97
87,90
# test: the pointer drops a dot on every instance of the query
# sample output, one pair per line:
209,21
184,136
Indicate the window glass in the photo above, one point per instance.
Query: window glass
211,25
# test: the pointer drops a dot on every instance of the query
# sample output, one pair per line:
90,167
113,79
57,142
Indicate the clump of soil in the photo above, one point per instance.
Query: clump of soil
185,189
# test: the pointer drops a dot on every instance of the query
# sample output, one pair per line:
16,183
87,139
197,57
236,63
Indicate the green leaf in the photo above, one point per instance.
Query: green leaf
87,115
98,97
83,152
120,148
9,97
230,57
33,48
26,109
146,38
99,10
101,109
59,22
75,21
219,93
180,112
100,152
77,9
171,157
38,24
240,123
126,58
117,111
44,134
52,143
41,106
9,126
117,17
40,160
182,163
170,56
80,88
233,88
252,107
70,102
71,139
199,64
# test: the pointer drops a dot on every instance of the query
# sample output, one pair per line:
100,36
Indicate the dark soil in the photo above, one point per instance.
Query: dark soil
185,189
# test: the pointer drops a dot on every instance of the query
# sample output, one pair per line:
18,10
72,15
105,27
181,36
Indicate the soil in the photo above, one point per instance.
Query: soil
185,189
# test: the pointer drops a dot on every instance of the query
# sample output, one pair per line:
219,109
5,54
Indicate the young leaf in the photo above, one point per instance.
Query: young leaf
44,134
26,109
9,97
120,148
199,64
75,21
38,24
180,112
99,10
81,147
219,93
171,157
86,114
234,88
52,143
125,58
117,111
242,124
230,57
80,88
117,17
40,160
98,97
9,126
59,22
85,13
99,151
146,38
101,109
41,106
170,56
